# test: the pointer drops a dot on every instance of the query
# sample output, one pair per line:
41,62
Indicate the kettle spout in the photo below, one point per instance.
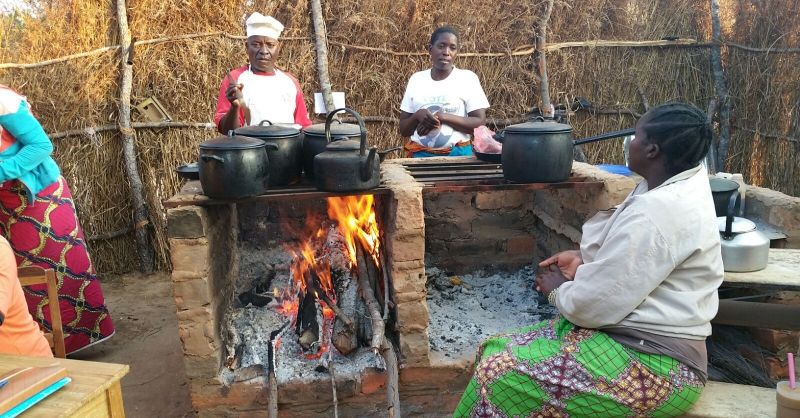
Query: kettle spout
366,164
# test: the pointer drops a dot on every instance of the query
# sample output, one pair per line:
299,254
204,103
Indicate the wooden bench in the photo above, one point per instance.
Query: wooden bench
727,400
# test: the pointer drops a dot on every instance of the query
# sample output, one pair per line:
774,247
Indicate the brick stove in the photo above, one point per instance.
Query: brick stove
455,214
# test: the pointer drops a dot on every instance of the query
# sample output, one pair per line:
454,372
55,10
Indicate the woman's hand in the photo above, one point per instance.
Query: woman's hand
566,261
549,280
426,121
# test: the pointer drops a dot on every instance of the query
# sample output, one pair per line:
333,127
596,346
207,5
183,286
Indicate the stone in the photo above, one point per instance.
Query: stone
409,282
414,348
186,222
501,199
191,255
407,208
194,339
406,248
412,315
191,293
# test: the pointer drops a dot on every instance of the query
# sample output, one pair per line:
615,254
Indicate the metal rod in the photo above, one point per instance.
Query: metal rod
607,135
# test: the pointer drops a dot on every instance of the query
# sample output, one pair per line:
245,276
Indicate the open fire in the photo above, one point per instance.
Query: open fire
322,300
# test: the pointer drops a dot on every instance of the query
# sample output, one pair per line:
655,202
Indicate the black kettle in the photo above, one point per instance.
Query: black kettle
347,165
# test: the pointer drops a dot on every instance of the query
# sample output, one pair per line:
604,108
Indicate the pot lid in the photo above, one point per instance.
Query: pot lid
232,142
344,145
337,129
722,185
740,225
539,126
265,129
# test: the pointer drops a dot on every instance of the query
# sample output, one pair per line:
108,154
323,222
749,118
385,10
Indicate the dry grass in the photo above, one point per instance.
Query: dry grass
184,75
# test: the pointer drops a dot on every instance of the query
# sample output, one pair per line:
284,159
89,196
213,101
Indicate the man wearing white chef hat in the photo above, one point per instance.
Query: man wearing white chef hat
260,91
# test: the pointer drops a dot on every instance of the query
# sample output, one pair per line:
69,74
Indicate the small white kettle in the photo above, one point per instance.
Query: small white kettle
744,247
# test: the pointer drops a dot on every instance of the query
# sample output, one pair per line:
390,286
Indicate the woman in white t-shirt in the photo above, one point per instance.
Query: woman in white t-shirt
443,105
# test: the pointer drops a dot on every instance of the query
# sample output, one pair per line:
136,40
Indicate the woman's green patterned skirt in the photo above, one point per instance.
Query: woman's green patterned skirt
556,369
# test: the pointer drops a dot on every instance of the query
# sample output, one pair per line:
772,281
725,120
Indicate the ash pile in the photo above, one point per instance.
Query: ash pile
466,309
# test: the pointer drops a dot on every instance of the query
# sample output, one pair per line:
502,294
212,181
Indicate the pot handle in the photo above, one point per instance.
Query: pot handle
500,136
363,145
271,146
732,201
262,122
208,158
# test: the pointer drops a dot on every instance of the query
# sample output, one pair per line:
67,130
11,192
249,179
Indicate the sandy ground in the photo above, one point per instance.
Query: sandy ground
146,339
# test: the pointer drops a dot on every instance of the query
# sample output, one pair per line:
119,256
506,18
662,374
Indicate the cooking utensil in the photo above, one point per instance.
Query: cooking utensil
234,167
722,190
188,171
346,165
537,151
744,247
285,161
315,140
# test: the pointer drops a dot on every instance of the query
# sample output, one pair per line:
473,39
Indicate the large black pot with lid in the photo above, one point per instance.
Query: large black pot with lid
285,161
234,167
537,151
315,139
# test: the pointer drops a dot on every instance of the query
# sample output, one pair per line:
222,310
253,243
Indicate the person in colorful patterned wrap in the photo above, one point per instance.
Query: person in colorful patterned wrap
635,301
38,218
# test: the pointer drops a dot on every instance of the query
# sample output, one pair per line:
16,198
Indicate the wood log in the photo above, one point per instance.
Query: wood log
345,333
140,216
321,44
721,87
369,299
711,157
309,324
392,379
541,41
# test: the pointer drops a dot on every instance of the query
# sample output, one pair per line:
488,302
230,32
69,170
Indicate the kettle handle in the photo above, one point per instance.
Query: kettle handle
732,201
363,145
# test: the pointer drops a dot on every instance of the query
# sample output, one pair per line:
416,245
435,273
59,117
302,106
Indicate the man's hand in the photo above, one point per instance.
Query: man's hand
566,261
426,121
234,94
549,280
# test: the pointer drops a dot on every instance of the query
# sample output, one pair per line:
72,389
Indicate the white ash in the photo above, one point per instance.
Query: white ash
293,366
249,329
463,314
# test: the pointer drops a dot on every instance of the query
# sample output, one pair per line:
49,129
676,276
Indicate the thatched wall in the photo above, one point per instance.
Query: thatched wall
184,75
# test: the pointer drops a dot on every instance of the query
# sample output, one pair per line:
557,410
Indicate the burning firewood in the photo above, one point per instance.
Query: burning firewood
309,323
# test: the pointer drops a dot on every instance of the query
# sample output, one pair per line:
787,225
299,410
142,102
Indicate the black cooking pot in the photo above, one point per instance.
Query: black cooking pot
234,167
721,191
537,151
315,140
285,161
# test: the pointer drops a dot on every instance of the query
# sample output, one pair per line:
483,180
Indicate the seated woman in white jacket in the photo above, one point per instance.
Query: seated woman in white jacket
635,302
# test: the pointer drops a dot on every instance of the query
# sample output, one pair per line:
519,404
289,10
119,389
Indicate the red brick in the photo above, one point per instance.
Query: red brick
522,244
372,380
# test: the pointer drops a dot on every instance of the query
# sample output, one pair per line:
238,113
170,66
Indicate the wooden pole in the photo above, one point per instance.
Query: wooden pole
541,61
721,86
140,216
321,43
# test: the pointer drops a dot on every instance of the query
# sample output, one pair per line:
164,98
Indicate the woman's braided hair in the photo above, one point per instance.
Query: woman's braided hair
681,131
441,30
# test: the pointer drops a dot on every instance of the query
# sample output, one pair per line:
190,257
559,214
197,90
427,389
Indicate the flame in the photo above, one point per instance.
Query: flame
355,220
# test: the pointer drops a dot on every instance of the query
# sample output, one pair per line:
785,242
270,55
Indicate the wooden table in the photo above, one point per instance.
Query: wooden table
93,392
782,273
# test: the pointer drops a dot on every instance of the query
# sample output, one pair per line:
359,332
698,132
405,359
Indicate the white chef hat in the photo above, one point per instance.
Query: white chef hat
258,24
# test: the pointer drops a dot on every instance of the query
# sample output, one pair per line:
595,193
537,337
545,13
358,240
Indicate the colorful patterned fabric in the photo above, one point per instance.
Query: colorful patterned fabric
556,369
46,233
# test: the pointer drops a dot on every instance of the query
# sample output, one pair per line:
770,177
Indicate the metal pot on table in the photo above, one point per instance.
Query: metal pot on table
285,160
744,247
234,166
346,165
316,139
